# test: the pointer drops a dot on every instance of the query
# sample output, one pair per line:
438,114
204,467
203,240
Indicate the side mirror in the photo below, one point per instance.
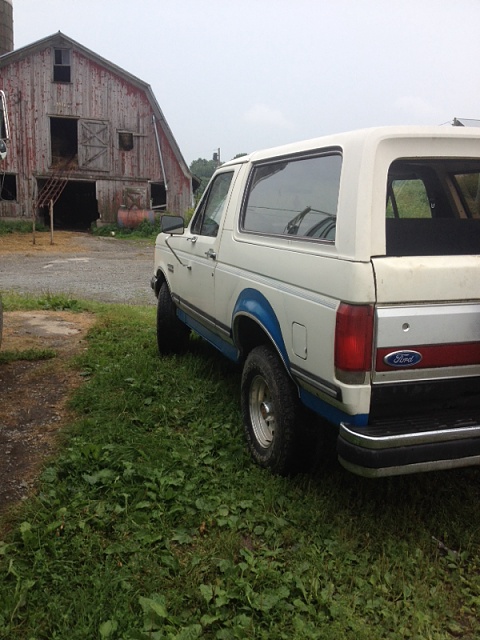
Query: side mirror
3,150
172,224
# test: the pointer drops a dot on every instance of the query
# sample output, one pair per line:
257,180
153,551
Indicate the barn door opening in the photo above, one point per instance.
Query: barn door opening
76,207
63,140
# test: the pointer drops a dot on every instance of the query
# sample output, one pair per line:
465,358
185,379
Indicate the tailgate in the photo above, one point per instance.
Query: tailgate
425,397
427,318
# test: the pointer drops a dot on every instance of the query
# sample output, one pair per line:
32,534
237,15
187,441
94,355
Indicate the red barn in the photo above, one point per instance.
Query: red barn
86,129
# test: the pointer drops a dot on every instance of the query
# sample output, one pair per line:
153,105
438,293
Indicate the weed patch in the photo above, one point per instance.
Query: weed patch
47,301
145,229
19,226
27,354
152,522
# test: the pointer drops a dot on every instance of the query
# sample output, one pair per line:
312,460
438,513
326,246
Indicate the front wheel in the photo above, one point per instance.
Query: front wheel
172,335
269,408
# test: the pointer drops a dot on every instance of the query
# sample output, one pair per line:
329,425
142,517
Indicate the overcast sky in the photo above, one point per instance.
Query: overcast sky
242,75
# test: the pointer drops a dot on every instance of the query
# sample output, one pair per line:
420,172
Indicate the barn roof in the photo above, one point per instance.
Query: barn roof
60,40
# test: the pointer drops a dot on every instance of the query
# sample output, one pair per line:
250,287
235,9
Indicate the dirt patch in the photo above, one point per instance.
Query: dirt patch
23,243
79,265
34,394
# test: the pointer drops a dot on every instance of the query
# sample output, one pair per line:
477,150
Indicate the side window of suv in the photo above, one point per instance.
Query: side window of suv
294,197
408,199
207,218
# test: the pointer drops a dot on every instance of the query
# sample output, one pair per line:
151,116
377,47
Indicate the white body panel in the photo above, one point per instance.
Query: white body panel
427,279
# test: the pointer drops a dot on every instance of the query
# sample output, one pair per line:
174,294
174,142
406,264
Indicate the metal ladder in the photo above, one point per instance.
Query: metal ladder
54,186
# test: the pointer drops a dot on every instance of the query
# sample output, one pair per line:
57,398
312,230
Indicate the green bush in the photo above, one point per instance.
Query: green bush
188,215
146,228
108,230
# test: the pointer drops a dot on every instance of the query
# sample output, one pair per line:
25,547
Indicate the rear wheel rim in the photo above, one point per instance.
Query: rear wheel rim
262,414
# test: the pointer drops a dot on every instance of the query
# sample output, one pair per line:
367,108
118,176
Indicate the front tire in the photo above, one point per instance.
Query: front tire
172,335
269,408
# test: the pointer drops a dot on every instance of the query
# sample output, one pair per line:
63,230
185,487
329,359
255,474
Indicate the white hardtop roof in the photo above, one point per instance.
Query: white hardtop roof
372,136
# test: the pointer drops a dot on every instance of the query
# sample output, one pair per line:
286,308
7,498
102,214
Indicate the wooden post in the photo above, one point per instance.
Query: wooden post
33,228
51,221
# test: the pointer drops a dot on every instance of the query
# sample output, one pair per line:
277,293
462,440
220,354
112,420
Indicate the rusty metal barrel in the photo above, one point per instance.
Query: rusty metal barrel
132,218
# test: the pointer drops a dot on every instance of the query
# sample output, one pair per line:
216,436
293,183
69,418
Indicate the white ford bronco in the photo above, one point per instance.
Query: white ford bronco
344,273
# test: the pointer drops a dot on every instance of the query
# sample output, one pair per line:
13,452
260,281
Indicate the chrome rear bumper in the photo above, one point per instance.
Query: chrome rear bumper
411,445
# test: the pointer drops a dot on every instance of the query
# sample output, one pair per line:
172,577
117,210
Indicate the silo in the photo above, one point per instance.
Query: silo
6,26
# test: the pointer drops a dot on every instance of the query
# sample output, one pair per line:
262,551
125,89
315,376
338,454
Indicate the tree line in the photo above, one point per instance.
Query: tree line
203,170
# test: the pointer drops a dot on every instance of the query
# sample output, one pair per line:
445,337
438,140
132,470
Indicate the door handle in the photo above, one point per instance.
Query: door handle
211,254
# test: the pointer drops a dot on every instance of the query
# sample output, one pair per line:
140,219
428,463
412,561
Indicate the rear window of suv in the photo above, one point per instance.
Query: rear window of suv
433,207
294,197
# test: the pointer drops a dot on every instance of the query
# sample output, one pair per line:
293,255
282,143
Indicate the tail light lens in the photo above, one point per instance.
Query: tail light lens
353,342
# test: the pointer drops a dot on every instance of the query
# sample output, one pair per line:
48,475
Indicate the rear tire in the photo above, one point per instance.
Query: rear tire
270,408
172,335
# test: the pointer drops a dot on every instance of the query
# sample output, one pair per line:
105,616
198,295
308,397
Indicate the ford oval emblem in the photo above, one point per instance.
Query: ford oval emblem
402,358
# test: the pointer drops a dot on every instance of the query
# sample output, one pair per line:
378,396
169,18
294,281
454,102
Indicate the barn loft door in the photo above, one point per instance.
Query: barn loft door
93,145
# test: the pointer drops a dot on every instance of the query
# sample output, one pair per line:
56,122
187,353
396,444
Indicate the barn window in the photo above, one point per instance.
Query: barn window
158,195
125,140
8,186
61,65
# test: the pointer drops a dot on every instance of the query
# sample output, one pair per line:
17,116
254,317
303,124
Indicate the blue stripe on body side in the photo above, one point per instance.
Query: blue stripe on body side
227,348
329,412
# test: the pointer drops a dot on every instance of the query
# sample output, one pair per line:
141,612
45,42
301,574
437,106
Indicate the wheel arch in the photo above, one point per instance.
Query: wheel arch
255,323
159,280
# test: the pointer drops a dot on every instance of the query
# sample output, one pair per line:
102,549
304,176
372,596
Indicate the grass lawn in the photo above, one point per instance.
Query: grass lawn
152,522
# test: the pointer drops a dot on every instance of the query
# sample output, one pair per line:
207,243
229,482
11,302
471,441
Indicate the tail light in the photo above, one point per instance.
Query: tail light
353,342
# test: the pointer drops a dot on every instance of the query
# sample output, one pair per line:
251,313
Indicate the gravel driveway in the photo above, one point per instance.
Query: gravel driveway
104,269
